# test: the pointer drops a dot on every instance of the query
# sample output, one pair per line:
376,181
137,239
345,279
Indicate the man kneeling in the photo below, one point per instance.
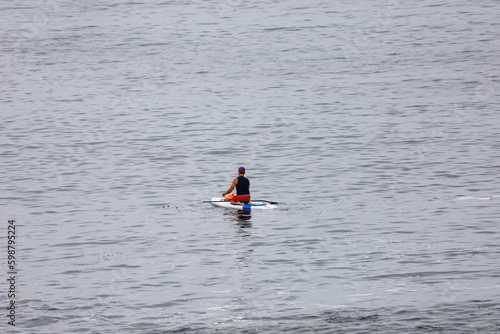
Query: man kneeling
242,185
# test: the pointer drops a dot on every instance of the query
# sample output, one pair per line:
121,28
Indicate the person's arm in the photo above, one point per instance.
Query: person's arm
235,181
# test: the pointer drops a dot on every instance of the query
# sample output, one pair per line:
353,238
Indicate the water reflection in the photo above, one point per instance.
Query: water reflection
241,217
241,223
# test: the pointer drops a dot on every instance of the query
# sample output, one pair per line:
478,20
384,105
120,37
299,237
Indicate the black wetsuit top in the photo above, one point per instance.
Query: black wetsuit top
242,187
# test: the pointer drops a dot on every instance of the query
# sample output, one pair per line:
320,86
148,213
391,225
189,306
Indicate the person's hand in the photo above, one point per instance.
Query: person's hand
223,194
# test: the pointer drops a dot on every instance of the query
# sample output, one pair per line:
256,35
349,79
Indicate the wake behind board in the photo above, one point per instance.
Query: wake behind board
257,205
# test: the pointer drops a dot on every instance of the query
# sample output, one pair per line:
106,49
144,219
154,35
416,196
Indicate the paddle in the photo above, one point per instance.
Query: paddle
263,200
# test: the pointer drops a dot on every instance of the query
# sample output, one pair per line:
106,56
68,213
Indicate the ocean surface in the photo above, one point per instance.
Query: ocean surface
374,124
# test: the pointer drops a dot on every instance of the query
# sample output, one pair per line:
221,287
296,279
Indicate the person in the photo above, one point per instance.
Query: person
242,185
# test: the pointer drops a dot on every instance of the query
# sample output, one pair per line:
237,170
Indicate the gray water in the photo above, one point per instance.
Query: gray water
374,124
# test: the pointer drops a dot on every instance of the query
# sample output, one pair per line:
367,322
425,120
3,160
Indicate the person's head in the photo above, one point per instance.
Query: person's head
241,170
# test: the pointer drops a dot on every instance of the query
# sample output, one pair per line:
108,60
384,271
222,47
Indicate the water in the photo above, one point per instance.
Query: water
375,125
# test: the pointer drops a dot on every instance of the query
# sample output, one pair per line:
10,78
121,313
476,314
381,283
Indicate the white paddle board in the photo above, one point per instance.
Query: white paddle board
257,205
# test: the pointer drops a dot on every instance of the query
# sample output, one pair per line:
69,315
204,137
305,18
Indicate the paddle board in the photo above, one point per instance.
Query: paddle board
257,205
